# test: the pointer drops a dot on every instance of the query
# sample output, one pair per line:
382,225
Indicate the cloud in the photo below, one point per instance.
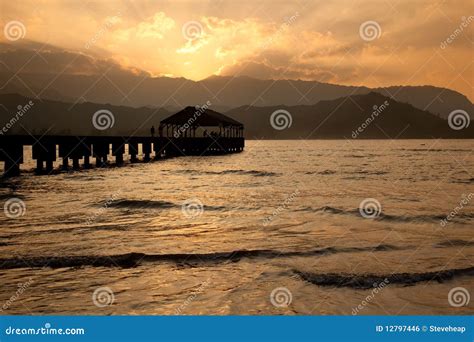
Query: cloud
194,44
154,27
34,58
263,70
316,40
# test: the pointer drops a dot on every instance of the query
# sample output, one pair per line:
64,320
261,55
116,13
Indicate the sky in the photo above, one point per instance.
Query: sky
370,43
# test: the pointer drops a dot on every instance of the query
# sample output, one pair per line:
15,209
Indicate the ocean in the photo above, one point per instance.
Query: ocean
310,227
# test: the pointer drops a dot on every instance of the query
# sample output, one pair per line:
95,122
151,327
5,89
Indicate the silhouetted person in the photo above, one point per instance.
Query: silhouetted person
152,131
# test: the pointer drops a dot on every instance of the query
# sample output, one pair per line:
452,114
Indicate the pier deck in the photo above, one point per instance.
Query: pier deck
47,149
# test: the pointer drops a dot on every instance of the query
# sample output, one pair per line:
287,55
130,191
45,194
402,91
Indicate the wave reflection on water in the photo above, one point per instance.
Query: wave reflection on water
280,214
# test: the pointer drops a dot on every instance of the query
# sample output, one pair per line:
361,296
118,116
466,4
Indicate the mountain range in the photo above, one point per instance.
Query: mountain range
359,116
224,93
67,87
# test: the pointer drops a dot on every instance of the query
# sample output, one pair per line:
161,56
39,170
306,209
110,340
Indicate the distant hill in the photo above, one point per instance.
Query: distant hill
223,92
333,119
340,118
49,72
56,117
440,101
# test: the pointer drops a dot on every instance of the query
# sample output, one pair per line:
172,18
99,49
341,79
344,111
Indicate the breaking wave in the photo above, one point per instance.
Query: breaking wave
366,281
135,259
388,217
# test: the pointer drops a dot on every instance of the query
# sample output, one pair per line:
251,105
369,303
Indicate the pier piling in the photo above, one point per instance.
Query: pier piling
46,149
133,151
146,147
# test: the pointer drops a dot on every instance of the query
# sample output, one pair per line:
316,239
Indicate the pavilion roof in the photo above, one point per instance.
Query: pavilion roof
200,117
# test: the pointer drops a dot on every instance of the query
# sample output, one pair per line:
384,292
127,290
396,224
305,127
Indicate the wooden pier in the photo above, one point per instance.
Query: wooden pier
194,131
71,149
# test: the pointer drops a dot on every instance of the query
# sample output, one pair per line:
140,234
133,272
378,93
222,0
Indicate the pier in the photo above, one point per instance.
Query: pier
190,132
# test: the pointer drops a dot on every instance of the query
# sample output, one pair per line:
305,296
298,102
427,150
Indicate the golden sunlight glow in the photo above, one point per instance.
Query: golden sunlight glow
418,42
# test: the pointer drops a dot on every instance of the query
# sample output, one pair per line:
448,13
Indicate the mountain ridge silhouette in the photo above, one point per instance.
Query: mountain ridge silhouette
329,119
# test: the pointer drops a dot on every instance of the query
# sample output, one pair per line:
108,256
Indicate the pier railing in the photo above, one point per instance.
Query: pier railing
47,149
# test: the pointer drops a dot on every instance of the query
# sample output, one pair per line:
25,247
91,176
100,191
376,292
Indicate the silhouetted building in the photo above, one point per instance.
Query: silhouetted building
200,122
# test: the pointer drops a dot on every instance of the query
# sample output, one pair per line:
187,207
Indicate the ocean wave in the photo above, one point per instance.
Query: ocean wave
387,217
432,150
255,173
325,172
135,259
366,172
464,181
455,243
9,195
152,204
135,203
367,281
